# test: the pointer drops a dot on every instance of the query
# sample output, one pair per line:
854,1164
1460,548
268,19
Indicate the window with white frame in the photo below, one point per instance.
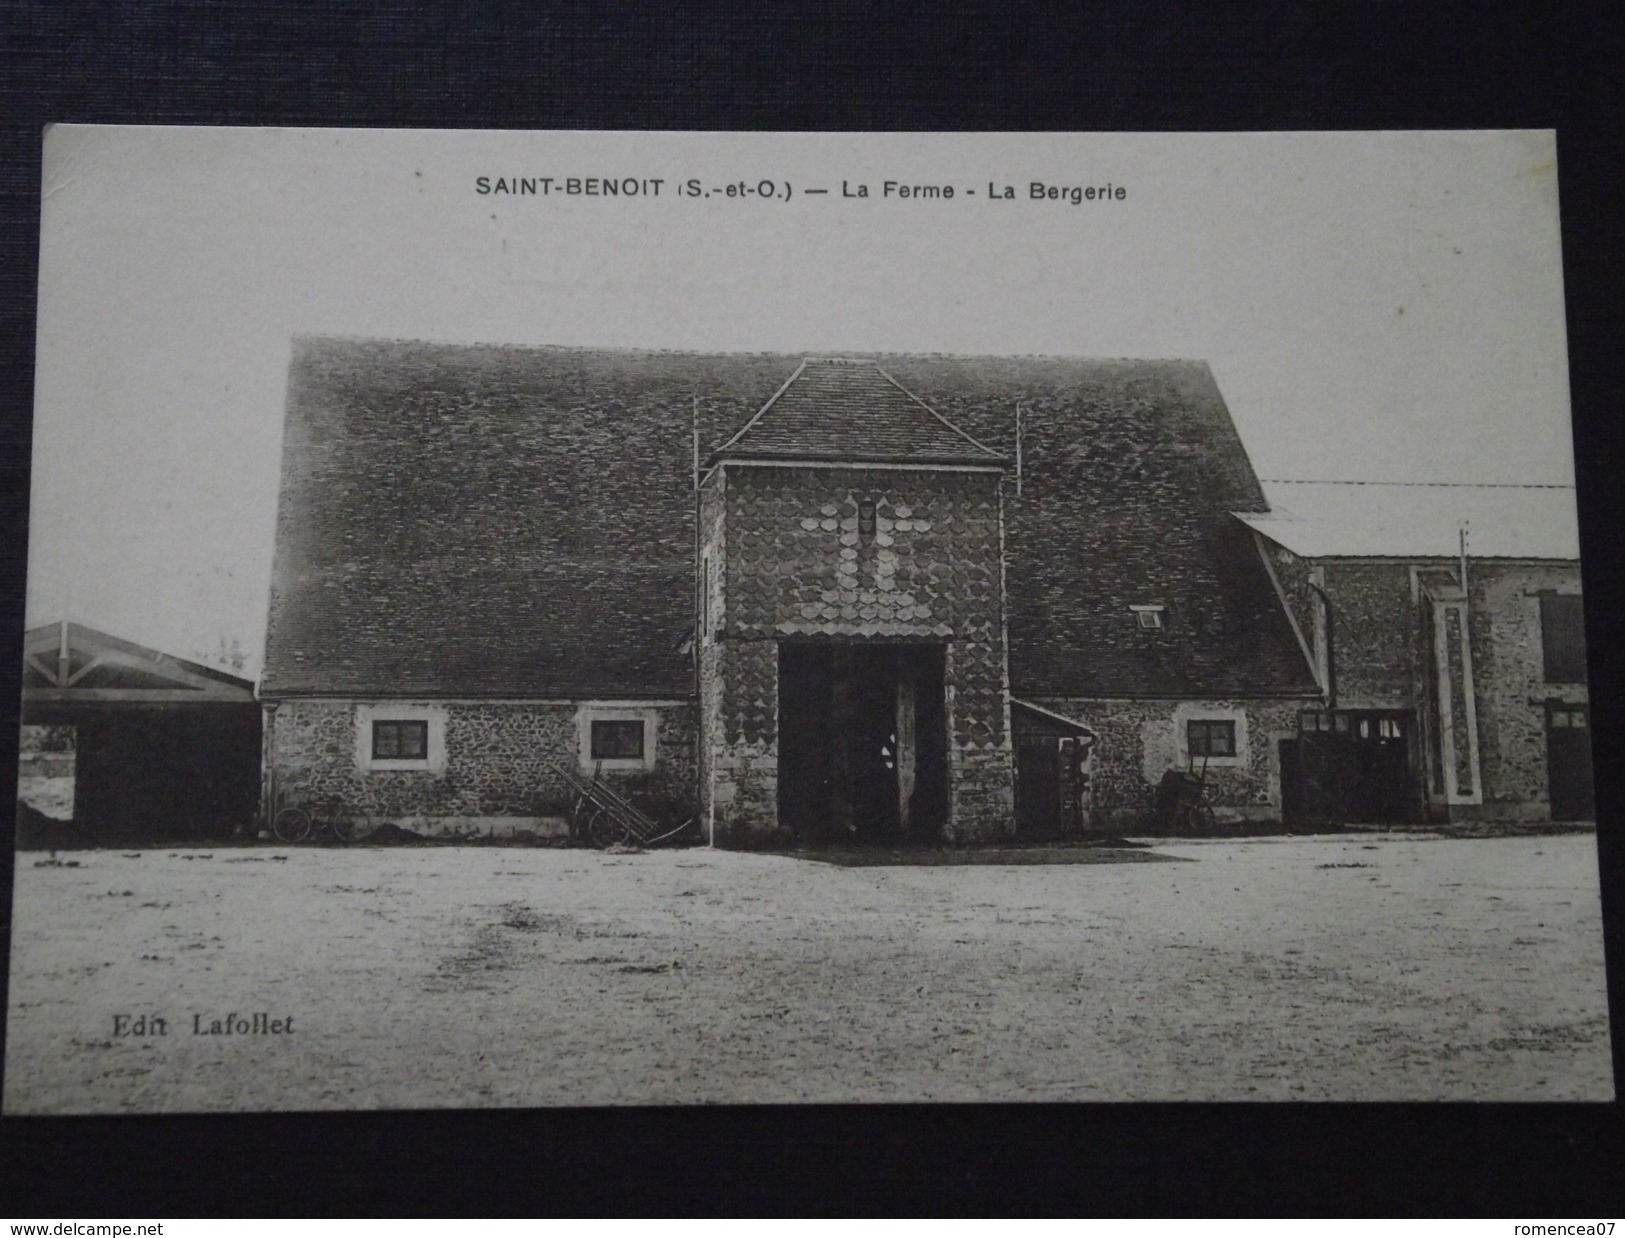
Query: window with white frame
406,737
400,739
1149,618
1210,737
617,737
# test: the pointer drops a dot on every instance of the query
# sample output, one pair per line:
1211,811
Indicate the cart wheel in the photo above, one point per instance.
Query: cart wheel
603,830
291,825
353,829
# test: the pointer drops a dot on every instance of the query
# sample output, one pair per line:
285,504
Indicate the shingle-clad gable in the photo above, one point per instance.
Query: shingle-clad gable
499,521
837,408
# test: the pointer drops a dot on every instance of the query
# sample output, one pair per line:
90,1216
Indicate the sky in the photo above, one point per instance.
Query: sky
1379,307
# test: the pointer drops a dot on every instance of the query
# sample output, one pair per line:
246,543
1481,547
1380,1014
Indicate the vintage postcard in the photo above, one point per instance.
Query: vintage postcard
552,619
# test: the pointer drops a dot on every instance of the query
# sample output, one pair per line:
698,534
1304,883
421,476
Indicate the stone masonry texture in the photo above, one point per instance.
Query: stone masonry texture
1384,652
796,566
1138,740
502,761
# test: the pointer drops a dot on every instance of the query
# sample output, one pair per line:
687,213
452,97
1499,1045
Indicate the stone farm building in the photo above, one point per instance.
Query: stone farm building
873,598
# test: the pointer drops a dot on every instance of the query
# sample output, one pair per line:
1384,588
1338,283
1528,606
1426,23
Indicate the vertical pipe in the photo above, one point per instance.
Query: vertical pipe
1018,449
700,737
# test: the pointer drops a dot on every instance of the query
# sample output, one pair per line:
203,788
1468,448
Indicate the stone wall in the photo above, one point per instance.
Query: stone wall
500,772
795,565
1376,634
1509,682
1139,740
1385,650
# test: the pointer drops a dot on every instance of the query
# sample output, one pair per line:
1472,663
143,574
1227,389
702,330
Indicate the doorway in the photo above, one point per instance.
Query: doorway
862,741
1349,766
1568,761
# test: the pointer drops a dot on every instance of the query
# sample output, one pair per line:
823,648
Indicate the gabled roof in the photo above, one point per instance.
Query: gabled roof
68,663
502,521
849,409
1329,520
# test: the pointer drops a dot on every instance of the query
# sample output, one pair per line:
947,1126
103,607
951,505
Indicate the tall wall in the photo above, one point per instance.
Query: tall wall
796,566
498,766
1376,634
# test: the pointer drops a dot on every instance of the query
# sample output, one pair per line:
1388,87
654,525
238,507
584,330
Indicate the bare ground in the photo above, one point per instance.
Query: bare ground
1342,968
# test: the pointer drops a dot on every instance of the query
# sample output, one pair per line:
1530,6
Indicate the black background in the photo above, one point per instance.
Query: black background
1374,64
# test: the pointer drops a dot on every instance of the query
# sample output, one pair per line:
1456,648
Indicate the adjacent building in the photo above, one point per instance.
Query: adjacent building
163,748
1446,629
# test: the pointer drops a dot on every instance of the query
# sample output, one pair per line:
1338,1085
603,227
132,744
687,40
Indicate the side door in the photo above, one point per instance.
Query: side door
1039,806
1568,761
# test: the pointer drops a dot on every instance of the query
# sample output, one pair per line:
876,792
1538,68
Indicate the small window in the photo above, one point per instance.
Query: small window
1562,637
615,739
1148,617
1211,738
866,518
400,741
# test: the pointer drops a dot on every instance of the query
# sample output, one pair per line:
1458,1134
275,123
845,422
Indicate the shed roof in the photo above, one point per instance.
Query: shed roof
69,666
509,521
1328,520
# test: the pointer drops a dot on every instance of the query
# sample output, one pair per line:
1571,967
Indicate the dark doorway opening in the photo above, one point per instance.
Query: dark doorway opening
1568,761
1350,766
1052,774
863,741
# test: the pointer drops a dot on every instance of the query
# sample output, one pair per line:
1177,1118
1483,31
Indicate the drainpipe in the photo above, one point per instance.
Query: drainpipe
1331,649
707,827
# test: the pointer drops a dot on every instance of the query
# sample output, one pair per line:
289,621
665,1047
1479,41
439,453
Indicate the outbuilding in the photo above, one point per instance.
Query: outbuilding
165,749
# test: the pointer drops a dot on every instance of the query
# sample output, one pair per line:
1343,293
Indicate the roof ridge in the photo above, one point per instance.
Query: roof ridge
980,445
953,442
762,412
1427,485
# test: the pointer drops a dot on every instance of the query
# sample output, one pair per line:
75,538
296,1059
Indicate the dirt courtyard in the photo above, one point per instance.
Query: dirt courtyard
1370,968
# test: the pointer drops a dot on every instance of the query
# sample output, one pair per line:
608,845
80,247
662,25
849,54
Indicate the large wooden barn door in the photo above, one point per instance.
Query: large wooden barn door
1349,766
862,741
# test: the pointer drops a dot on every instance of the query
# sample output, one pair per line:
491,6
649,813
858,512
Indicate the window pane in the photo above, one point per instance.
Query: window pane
617,739
414,740
400,741
1211,739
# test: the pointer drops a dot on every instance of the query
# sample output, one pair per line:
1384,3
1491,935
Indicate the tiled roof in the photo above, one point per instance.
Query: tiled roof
1325,520
850,409
505,521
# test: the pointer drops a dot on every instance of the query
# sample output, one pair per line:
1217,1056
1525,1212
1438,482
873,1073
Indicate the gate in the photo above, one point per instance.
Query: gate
1349,766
